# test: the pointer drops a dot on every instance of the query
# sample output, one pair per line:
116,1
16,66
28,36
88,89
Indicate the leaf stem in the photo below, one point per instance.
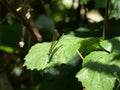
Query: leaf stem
80,55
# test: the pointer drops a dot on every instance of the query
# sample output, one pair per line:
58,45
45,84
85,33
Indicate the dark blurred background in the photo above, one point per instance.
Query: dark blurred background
81,18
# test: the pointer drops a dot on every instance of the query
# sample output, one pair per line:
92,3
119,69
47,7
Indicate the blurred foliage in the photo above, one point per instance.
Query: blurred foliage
115,9
10,34
72,17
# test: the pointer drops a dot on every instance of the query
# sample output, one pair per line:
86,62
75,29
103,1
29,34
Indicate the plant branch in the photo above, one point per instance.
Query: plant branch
105,31
33,32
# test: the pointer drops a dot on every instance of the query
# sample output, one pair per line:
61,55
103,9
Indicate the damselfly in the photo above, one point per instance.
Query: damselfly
53,47
54,42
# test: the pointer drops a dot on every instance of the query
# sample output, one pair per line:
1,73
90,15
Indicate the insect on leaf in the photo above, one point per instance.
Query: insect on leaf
54,42
53,47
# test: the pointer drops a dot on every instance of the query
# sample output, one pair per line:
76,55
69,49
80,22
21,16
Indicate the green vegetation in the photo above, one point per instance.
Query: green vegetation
60,45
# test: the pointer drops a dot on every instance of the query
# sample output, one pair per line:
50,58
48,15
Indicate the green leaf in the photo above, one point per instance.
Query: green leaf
89,45
112,45
98,72
115,9
106,45
6,49
100,68
38,57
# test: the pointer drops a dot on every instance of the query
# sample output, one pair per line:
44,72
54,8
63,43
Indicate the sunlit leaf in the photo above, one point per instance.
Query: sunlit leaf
38,57
101,68
111,45
97,73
